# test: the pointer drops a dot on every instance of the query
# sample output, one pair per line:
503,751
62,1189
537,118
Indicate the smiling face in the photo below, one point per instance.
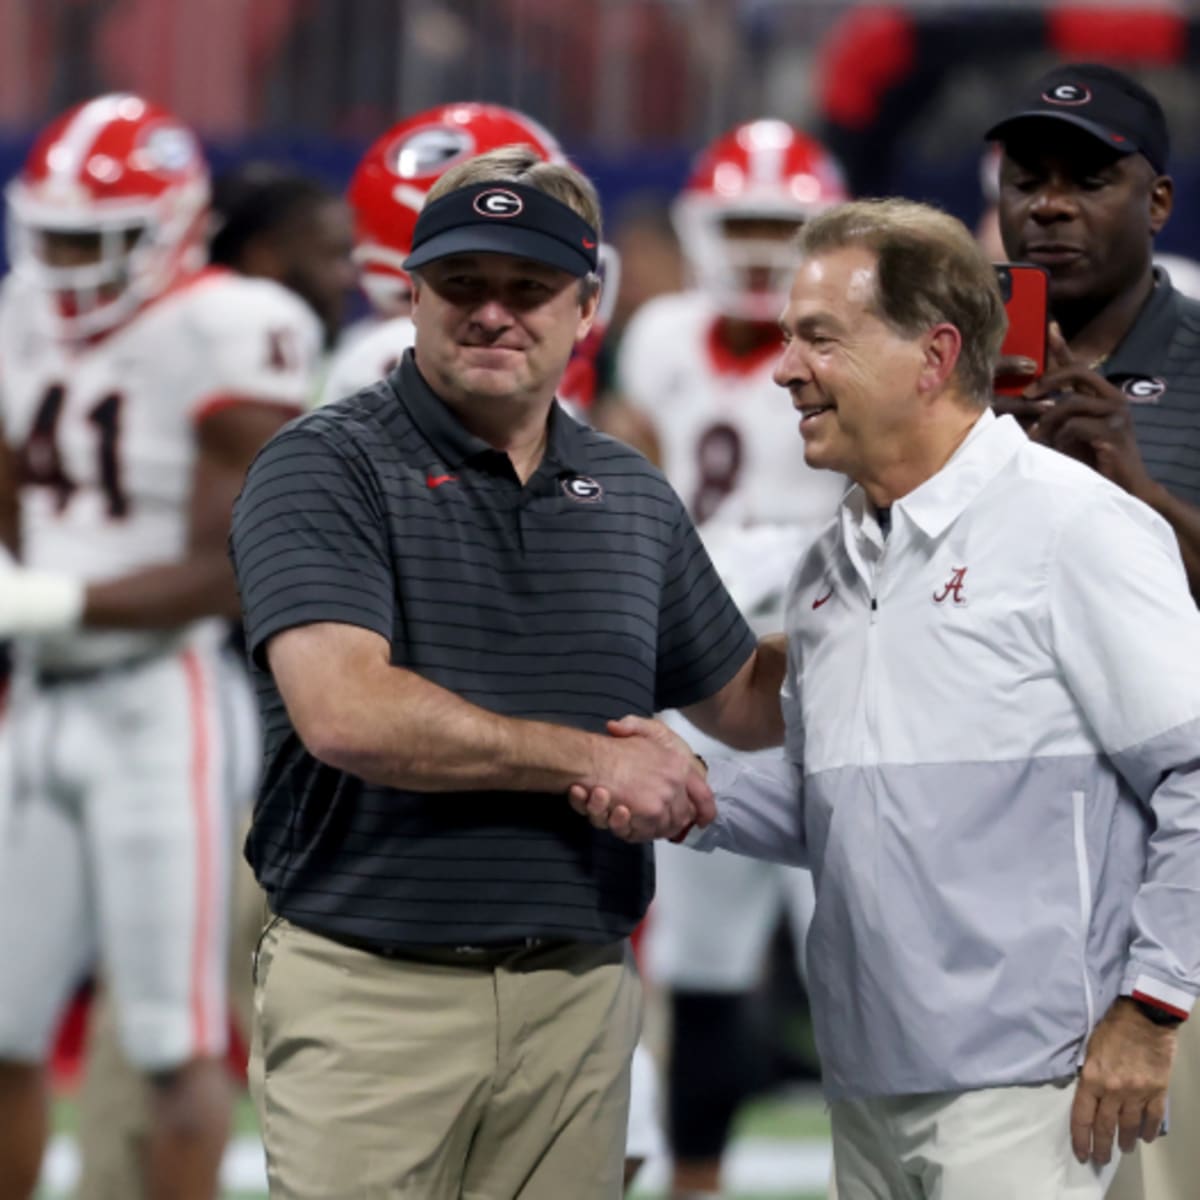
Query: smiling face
493,326
851,376
1069,204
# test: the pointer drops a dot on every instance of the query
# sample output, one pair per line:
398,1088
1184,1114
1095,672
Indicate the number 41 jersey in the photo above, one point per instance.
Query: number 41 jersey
104,432
730,438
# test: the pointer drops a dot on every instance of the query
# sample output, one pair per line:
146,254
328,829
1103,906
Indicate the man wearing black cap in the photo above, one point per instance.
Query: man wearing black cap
1083,193
449,588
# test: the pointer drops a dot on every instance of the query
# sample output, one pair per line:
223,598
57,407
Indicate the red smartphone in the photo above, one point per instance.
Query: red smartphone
1024,288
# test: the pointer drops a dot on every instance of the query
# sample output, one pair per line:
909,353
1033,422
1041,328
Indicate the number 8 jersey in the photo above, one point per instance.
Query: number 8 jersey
730,439
104,431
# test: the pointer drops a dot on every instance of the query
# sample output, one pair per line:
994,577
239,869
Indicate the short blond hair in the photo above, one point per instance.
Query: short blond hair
929,270
522,164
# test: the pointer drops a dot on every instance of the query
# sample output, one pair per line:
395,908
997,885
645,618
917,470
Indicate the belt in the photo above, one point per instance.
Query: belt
464,955
53,677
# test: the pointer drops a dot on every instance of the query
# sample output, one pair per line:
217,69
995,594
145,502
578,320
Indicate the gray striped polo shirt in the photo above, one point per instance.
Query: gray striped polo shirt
1157,366
580,596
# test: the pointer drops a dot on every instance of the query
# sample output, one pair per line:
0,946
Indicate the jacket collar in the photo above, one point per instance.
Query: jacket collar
940,500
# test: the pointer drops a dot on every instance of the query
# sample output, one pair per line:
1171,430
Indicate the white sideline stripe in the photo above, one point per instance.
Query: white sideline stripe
766,1165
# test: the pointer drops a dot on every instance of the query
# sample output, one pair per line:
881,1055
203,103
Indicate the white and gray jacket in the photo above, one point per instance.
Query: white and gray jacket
993,769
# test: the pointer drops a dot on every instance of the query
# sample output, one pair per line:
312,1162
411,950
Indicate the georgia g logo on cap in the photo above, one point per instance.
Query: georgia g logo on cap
1067,93
498,202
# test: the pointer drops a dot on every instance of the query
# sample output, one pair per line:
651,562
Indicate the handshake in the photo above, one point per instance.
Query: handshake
647,784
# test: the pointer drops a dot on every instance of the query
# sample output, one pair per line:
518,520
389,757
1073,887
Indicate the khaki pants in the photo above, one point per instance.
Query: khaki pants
1169,1168
1009,1143
442,1076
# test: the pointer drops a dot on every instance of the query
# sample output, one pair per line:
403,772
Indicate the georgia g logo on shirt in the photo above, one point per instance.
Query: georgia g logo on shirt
1144,389
498,202
582,488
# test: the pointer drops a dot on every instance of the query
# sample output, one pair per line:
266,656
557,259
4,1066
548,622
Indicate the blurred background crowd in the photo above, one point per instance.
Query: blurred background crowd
633,90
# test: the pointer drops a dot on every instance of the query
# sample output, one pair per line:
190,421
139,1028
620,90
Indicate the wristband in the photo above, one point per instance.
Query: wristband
1159,1016
38,602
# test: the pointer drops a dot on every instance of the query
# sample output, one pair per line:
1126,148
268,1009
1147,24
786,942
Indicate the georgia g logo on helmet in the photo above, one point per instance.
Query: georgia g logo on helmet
498,202
1067,93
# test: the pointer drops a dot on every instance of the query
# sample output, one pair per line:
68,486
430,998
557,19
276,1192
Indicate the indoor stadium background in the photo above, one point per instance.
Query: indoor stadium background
632,88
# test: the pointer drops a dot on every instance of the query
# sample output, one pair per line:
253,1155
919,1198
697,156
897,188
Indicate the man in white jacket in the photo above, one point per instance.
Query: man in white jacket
993,716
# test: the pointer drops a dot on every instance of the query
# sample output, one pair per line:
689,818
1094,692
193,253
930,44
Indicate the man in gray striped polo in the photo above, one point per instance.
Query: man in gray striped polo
450,587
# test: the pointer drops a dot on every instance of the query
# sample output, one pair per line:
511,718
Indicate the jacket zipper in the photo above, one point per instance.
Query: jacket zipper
1084,876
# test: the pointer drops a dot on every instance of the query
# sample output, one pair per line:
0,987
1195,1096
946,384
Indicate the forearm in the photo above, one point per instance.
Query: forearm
9,512
394,728
760,811
1184,518
166,595
746,713
1164,955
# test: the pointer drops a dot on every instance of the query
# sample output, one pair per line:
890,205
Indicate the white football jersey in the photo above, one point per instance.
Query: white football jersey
104,433
367,359
730,438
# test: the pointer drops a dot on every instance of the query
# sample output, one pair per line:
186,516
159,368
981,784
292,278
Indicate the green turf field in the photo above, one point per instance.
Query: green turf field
779,1143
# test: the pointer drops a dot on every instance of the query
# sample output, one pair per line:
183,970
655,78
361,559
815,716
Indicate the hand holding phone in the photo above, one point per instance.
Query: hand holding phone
1024,289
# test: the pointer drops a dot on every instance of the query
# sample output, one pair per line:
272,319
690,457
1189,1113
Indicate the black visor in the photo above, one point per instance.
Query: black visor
504,218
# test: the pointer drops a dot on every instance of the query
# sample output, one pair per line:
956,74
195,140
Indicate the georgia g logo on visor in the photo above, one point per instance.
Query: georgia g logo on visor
1067,93
498,202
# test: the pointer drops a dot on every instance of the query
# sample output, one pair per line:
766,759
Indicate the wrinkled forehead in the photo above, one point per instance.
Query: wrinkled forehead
841,281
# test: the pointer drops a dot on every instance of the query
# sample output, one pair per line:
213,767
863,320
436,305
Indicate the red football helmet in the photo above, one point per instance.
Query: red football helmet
390,184
128,173
763,171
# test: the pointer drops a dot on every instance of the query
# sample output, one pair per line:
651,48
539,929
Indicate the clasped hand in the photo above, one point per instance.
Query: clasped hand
648,785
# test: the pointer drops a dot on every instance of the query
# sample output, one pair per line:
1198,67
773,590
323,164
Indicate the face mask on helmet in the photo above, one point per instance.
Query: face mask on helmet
108,212
748,194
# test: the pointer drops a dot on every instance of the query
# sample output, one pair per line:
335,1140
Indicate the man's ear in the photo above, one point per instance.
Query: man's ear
261,258
587,314
1162,201
941,350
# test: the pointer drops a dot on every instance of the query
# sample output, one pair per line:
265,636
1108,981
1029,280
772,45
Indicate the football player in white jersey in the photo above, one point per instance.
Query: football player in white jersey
135,387
268,222
695,368
273,222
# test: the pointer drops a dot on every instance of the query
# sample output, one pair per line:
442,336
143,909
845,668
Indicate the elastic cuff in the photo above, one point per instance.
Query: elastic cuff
1162,995
722,775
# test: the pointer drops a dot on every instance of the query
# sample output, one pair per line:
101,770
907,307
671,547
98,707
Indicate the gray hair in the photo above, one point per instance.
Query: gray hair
929,270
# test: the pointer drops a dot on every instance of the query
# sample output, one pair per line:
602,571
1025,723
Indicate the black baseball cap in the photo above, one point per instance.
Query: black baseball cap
1113,108
504,218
